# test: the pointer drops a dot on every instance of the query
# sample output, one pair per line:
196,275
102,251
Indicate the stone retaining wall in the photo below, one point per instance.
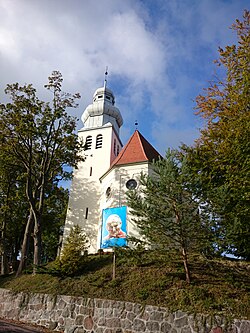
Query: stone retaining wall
81,315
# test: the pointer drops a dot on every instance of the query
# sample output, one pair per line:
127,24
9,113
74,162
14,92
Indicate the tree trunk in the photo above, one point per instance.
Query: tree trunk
4,259
37,245
184,252
25,244
4,263
186,266
38,223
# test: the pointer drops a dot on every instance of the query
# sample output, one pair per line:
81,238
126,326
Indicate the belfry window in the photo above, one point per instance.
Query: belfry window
115,146
98,141
88,143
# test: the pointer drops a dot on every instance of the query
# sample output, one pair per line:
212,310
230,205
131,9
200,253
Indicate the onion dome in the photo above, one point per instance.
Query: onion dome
102,111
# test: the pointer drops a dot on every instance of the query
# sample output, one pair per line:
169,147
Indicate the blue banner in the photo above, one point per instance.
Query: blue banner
114,227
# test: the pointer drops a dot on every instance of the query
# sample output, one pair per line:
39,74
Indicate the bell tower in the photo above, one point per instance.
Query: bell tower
100,133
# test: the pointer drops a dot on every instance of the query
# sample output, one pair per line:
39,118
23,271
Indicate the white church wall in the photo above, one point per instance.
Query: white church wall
85,192
116,147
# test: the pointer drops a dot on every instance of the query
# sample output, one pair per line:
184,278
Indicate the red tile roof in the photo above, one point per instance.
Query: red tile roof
138,149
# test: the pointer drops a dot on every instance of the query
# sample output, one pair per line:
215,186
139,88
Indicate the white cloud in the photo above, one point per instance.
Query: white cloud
159,53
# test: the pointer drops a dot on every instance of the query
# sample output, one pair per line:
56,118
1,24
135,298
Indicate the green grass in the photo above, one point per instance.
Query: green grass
218,286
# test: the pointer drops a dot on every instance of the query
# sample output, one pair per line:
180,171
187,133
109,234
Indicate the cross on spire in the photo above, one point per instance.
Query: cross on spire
106,76
136,124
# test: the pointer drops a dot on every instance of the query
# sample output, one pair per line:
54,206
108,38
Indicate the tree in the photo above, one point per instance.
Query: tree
220,159
53,221
165,211
73,253
42,139
13,208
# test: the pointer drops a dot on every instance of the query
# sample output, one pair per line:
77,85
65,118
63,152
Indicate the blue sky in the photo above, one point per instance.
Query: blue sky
159,53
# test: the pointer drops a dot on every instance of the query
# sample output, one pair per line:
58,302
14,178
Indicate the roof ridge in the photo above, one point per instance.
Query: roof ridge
153,151
141,144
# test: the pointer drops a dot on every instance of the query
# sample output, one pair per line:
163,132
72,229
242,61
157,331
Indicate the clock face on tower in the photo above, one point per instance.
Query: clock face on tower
131,184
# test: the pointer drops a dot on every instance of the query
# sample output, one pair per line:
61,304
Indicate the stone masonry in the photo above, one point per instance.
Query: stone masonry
84,315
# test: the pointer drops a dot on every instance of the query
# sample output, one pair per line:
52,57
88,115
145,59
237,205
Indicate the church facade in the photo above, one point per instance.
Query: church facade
97,201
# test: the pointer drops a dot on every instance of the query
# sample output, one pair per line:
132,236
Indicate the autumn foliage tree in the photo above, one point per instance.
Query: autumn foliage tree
220,160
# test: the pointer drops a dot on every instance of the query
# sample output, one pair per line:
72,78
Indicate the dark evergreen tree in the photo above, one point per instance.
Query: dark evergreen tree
166,212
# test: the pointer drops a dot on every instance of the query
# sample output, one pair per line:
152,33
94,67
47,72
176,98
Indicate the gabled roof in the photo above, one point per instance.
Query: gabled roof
138,149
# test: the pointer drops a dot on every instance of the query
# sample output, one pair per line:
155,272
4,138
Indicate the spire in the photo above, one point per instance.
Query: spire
105,78
102,111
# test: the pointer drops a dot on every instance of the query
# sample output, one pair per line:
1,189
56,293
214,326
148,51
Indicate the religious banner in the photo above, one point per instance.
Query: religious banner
114,228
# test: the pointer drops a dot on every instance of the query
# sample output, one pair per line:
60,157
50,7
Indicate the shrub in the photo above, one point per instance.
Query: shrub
74,253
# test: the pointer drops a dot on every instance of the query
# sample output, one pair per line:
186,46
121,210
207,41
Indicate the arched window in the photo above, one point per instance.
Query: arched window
118,150
98,141
108,192
115,146
88,143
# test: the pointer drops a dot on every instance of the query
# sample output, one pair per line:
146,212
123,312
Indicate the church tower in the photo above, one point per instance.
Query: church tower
97,200
102,122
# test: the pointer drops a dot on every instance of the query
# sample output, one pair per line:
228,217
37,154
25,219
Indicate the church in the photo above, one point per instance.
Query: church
97,201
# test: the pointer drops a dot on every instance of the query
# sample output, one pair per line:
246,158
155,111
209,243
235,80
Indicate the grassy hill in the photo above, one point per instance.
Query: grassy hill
218,286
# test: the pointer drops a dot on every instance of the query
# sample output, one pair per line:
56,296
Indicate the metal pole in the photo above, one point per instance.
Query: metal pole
113,278
120,188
